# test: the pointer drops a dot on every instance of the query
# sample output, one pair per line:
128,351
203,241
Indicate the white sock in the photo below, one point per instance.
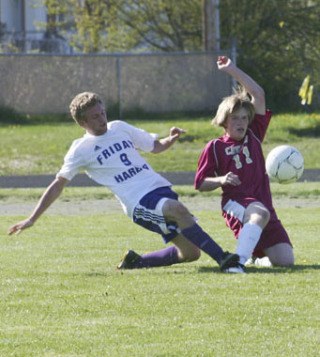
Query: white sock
247,240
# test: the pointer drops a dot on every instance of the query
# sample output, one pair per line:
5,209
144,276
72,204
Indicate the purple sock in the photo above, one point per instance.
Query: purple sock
202,240
159,258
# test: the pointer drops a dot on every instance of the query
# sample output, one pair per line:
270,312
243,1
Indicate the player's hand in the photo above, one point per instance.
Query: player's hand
18,227
230,179
175,133
224,63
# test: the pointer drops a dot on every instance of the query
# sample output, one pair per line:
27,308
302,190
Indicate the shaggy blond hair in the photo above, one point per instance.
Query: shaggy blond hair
81,102
231,104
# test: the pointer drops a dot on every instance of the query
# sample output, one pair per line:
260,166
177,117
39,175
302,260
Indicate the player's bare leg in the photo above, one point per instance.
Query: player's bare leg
187,251
280,254
175,211
186,245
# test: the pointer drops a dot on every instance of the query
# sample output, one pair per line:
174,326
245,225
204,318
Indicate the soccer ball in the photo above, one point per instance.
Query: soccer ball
284,164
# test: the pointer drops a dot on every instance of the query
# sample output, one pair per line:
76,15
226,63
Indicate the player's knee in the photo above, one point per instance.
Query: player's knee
286,262
257,213
176,210
263,211
191,255
187,251
181,211
282,256
265,216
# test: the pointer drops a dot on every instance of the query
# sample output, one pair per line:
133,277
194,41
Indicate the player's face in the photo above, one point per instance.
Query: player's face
237,124
95,120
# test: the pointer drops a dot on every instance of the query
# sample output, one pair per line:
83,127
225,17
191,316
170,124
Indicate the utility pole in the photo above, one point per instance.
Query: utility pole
211,25
23,25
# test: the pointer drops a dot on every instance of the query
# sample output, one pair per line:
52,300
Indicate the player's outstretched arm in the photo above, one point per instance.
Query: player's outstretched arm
256,92
49,196
165,143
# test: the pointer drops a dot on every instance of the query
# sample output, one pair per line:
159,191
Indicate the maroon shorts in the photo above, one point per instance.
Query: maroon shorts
274,233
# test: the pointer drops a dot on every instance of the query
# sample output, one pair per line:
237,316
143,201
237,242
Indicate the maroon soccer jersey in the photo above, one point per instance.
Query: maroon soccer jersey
244,158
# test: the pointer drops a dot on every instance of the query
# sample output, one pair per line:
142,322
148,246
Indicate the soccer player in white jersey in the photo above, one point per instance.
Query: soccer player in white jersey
108,153
235,163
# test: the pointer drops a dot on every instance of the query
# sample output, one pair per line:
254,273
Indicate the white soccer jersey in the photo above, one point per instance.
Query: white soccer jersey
112,160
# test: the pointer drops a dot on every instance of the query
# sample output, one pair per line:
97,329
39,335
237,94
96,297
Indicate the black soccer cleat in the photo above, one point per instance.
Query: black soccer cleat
237,269
229,260
129,260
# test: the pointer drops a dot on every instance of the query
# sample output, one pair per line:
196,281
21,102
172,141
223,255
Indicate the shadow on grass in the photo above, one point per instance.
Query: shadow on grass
208,270
311,132
272,270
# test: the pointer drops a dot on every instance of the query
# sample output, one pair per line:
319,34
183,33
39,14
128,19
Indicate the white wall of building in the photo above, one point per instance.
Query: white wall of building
35,15
25,26
22,15
11,14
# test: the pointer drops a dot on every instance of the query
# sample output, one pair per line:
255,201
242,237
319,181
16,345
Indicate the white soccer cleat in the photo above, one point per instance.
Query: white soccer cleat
259,262
263,262
250,261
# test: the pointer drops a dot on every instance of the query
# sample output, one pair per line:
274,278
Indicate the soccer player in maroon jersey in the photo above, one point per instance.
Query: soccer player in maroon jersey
235,162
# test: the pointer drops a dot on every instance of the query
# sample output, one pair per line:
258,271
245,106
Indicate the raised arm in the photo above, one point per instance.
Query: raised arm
164,144
253,88
49,196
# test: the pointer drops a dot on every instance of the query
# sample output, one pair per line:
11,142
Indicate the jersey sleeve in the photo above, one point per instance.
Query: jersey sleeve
141,139
73,163
205,165
260,124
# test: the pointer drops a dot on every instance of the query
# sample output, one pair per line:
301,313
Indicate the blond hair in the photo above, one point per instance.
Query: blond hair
81,102
231,104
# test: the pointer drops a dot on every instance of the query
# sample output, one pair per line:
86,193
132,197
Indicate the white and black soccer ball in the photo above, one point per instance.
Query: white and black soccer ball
284,164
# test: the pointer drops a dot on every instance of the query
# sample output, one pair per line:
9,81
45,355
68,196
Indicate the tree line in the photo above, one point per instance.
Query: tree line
277,41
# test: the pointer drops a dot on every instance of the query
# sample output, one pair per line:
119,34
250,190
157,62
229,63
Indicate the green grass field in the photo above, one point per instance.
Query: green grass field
61,295
39,149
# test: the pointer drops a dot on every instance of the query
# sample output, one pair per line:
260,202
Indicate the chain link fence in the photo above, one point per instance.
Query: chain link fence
148,83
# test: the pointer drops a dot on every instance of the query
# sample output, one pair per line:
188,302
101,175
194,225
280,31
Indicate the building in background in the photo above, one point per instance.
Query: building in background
24,28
